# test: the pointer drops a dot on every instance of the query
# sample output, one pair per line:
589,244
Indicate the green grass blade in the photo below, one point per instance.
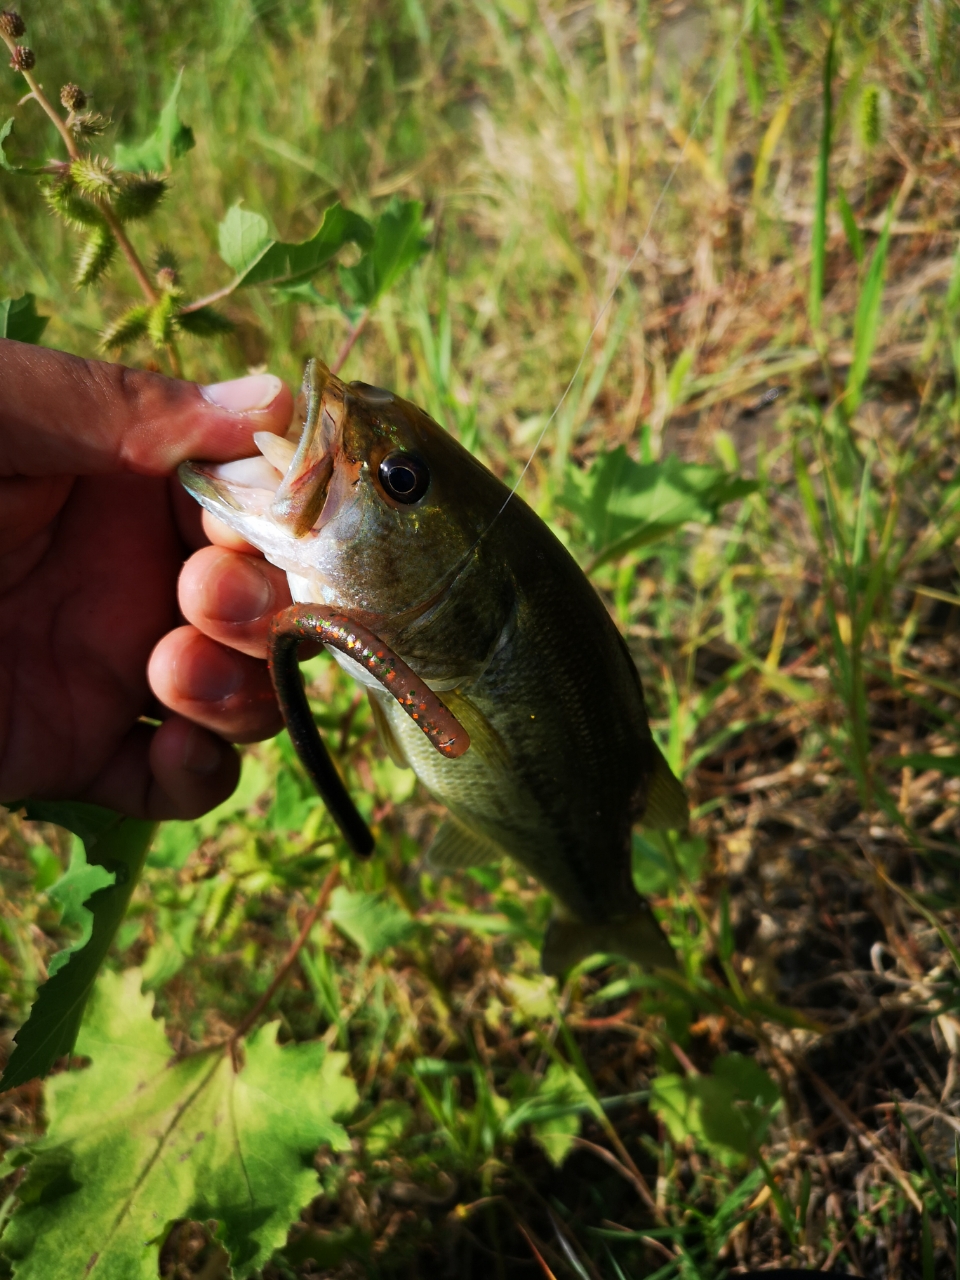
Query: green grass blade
867,320
818,239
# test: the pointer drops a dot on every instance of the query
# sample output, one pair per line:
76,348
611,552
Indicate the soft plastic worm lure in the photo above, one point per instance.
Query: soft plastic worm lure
301,622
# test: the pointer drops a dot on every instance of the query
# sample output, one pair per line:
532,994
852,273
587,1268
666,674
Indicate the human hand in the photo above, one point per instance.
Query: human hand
93,533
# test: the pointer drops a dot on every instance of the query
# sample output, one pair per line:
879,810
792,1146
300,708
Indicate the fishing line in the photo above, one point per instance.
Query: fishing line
748,16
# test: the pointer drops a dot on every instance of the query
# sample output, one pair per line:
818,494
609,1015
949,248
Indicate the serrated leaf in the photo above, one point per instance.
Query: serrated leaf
75,887
373,922
622,504
398,242
169,141
195,1138
119,845
19,319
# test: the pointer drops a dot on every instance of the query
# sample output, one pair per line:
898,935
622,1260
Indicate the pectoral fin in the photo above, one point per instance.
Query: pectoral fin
666,799
639,939
456,847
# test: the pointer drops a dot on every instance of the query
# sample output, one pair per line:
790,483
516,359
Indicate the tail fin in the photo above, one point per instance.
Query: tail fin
638,938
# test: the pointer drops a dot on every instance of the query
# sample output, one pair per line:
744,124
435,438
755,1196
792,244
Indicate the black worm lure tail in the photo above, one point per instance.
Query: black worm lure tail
303,622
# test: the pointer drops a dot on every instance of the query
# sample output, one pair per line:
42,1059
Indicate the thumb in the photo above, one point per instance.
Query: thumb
61,415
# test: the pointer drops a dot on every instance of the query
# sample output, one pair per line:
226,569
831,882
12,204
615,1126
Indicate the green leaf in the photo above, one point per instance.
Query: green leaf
244,238
78,883
398,242
852,231
119,846
19,319
622,504
197,1138
728,1111
373,922
554,1110
276,263
169,141
659,859
5,131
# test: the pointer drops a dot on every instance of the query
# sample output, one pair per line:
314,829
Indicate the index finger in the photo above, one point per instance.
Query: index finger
62,415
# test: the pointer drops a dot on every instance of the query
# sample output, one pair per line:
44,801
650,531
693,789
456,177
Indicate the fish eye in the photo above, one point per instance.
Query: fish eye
404,477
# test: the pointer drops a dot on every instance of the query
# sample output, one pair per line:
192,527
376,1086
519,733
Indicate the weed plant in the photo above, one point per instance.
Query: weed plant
757,462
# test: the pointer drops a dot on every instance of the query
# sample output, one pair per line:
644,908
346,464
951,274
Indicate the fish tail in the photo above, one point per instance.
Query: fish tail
638,938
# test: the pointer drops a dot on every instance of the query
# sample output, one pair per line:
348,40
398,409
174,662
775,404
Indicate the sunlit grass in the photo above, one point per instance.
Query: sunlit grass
791,653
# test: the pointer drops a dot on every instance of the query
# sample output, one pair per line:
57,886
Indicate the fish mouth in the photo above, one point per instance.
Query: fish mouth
287,485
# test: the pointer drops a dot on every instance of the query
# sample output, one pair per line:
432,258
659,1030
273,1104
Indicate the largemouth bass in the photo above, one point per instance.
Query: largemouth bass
493,668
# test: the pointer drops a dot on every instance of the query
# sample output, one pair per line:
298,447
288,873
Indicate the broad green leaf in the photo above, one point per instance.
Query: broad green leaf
136,1141
398,242
169,141
244,237
119,846
245,245
368,919
622,504
19,319
728,1111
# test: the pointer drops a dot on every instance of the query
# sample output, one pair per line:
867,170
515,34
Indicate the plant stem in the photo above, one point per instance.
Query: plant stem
351,338
290,959
211,297
109,217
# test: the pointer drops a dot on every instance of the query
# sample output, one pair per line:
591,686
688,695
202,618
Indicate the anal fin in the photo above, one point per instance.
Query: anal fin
667,806
456,847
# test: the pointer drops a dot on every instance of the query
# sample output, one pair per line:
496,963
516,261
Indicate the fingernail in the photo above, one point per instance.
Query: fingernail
244,395
236,591
205,673
202,753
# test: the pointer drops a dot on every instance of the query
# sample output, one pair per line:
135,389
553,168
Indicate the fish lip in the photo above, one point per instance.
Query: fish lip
301,498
